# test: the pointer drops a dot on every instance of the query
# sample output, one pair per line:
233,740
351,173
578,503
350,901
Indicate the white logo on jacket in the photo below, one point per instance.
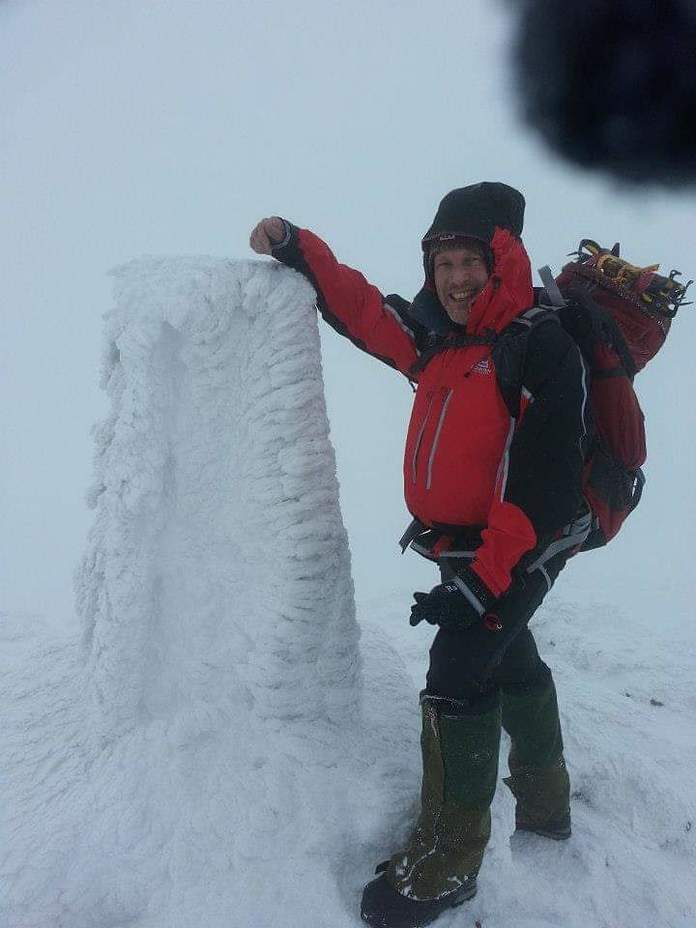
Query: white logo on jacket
482,367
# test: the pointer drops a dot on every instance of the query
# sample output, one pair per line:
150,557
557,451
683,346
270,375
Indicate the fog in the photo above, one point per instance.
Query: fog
133,129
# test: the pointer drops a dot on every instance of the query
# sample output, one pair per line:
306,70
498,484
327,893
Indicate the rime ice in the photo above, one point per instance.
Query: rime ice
199,752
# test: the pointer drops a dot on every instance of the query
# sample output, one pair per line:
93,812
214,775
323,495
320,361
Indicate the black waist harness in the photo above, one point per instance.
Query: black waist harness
463,540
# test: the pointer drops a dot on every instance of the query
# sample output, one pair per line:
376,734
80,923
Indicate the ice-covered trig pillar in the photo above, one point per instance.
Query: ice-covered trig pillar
217,577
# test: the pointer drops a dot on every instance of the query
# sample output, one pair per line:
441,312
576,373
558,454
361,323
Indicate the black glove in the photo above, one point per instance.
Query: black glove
456,604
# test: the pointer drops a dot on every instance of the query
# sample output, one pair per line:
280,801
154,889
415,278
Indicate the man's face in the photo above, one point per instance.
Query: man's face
460,275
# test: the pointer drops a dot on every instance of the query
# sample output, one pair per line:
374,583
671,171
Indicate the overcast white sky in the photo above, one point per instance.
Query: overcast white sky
130,128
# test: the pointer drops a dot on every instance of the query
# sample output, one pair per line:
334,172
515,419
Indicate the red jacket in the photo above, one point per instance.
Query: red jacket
463,448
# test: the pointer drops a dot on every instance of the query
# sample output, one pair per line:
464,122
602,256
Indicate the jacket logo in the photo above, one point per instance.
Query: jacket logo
482,367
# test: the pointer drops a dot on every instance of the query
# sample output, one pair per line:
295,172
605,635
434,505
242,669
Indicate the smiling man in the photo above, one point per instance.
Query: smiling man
460,274
492,478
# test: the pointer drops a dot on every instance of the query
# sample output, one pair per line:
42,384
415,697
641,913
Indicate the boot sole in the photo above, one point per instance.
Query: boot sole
395,911
469,895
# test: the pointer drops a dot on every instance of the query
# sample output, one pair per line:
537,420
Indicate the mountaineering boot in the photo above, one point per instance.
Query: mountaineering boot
538,777
542,806
438,867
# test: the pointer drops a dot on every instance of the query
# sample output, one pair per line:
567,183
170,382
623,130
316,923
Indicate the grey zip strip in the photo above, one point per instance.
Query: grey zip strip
457,554
443,411
419,438
504,465
468,595
562,544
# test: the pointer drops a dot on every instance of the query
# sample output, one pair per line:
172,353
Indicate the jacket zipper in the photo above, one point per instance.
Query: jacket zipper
436,439
419,437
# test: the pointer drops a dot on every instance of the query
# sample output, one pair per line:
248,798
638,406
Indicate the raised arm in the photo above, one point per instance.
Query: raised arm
351,305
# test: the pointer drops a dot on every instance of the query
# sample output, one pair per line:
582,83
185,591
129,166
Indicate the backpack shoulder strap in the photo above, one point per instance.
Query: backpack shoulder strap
510,352
553,291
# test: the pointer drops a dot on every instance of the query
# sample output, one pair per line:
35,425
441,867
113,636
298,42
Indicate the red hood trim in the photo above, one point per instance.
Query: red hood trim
509,289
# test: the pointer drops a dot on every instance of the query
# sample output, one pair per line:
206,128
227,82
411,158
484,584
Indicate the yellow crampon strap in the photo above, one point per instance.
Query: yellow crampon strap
658,294
625,274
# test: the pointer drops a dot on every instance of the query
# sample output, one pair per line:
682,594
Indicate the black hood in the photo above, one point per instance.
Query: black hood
475,211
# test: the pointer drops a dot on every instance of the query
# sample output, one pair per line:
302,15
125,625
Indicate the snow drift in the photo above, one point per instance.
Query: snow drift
196,759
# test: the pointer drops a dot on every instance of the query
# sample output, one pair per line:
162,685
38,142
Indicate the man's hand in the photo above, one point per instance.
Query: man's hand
456,604
267,233
445,606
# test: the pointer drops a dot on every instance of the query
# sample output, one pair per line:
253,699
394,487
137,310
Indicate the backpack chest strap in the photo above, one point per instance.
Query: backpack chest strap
440,343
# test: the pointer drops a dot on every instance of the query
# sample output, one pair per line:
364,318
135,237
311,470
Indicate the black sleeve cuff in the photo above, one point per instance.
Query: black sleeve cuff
474,591
290,230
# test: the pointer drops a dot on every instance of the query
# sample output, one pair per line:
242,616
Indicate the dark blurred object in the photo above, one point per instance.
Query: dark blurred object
611,84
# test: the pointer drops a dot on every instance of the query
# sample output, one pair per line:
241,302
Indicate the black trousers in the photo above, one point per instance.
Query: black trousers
471,666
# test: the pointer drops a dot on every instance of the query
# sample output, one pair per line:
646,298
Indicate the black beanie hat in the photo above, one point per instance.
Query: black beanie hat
475,212
467,212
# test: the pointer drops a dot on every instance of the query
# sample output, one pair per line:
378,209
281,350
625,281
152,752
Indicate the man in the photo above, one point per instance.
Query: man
492,477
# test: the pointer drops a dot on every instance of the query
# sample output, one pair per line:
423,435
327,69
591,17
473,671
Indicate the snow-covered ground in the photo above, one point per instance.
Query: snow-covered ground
218,665
256,823
625,678
220,748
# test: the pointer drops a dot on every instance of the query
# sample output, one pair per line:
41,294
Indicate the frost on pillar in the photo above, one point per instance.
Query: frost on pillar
198,758
218,568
